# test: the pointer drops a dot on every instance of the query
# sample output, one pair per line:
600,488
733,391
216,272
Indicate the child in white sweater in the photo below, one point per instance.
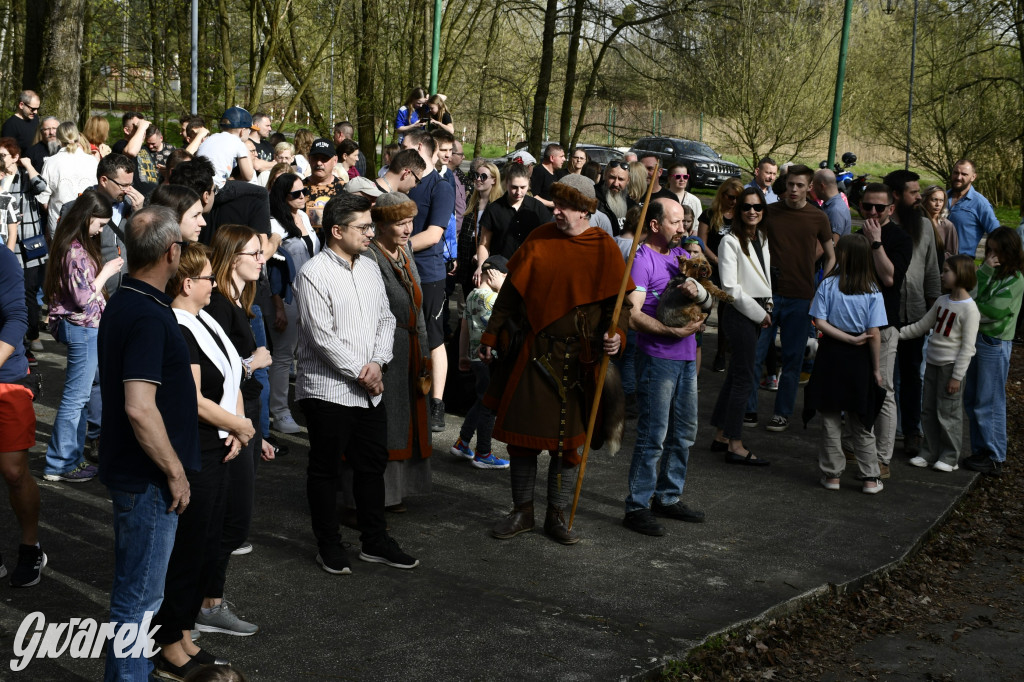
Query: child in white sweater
954,320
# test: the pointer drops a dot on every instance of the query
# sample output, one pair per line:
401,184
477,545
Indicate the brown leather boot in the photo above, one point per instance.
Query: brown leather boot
555,526
519,520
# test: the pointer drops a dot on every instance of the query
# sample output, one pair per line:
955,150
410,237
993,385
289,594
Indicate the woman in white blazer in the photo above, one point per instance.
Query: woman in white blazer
67,173
744,266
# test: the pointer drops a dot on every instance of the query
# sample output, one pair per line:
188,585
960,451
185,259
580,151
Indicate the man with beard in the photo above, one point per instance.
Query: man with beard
921,286
613,197
764,175
507,222
548,326
678,179
47,145
321,183
969,211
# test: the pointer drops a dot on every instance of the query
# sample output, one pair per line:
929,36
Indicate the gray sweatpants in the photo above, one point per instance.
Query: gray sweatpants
942,419
860,440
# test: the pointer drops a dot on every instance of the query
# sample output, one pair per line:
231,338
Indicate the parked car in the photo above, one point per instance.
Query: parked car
707,167
596,152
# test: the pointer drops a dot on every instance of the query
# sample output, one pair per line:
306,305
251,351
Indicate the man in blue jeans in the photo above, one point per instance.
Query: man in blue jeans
147,385
795,229
666,373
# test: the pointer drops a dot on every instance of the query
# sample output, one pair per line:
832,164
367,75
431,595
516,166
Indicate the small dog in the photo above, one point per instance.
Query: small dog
677,308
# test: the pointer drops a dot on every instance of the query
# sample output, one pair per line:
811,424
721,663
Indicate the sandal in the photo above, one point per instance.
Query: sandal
748,459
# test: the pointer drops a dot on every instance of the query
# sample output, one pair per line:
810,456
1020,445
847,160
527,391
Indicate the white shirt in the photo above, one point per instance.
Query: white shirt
223,150
345,322
66,176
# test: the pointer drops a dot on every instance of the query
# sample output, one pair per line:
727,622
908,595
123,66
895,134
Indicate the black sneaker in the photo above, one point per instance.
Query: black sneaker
334,560
643,521
165,670
388,552
29,570
678,511
30,356
778,424
984,465
750,419
436,415
719,364
280,449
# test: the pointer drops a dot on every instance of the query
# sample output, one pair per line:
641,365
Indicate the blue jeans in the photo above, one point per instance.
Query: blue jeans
985,396
666,393
143,540
67,444
792,317
262,375
626,362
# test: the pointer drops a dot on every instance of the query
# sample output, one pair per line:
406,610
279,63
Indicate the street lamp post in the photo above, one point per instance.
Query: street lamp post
890,6
837,102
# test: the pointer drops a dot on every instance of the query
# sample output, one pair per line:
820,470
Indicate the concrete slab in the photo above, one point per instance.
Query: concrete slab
613,606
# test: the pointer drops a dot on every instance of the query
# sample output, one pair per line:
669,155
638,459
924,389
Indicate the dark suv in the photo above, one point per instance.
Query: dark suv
707,168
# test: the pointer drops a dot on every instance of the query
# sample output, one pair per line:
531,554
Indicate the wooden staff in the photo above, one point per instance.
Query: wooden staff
604,357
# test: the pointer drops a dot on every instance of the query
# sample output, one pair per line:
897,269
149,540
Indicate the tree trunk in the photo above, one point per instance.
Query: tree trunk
36,20
565,122
227,63
547,58
492,38
60,77
85,87
366,65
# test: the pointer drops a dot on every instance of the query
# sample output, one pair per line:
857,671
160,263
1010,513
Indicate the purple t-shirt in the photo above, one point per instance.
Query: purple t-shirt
651,274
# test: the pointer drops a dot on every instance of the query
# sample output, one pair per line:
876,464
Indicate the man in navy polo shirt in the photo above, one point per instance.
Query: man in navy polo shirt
435,203
150,430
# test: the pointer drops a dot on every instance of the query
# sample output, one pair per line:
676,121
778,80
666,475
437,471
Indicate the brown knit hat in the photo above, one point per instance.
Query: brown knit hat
575,191
392,207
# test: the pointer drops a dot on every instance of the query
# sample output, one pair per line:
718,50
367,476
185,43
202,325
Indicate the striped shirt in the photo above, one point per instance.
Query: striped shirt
345,322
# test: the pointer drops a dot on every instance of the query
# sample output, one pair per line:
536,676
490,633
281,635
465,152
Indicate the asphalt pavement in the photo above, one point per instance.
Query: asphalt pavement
614,606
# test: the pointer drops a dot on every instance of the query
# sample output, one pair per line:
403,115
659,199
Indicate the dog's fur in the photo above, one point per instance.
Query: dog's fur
677,308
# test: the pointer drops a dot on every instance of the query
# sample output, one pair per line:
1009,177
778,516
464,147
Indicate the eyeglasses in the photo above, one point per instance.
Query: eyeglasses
123,186
258,255
618,164
755,207
458,153
681,176
299,193
364,229
731,197
32,109
873,208
418,178
209,278
182,245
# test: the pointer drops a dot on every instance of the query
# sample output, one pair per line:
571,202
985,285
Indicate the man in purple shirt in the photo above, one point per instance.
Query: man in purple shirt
666,370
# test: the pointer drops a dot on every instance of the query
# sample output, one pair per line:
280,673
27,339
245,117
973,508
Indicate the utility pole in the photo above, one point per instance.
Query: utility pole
837,103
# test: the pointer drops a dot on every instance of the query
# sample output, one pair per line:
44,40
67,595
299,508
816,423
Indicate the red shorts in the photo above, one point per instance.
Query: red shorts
17,418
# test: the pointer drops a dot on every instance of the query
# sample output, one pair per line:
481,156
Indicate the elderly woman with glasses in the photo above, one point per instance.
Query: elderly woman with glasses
223,431
237,260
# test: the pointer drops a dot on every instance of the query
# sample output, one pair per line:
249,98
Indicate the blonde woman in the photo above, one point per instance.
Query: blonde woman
637,186
486,189
947,242
67,173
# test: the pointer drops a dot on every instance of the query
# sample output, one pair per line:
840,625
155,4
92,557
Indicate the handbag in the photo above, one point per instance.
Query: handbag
34,248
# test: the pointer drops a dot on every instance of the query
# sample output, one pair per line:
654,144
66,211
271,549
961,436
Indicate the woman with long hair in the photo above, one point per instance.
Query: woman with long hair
578,158
947,241
637,186
745,272
186,204
237,260
96,132
440,117
299,243
269,177
67,173
408,118
712,225
486,189
73,290
223,430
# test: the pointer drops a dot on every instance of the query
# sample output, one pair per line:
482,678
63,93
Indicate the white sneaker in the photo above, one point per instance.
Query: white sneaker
36,346
286,424
942,466
919,462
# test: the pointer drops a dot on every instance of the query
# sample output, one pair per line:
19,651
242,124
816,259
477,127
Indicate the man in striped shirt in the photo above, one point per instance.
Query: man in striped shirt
346,330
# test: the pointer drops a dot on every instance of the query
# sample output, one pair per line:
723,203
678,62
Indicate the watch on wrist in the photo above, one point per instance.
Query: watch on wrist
876,245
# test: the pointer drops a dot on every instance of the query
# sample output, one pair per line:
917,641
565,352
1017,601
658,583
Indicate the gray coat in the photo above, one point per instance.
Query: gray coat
406,406
922,283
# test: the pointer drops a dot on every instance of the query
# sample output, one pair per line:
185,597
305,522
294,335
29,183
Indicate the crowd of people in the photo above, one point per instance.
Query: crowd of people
192,287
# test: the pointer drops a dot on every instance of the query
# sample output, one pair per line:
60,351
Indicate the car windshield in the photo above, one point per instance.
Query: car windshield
698,149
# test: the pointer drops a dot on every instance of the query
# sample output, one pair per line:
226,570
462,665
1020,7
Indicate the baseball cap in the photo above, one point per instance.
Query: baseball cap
236,117
323,147
361,185
522,156
499,263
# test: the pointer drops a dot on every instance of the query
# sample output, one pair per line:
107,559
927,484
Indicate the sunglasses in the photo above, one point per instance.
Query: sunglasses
618,164
682,176
182,245
481,176
299,193
756,207
731,197
873,208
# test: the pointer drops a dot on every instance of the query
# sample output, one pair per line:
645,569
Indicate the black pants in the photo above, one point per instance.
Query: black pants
33,278
909,354
241,492
739,380
196,551
360,433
